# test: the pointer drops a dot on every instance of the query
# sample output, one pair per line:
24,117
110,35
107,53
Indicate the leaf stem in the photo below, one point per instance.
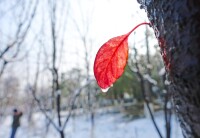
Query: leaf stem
144,23
127,35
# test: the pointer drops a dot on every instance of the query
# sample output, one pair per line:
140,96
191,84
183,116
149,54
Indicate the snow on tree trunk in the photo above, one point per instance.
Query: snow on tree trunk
177,25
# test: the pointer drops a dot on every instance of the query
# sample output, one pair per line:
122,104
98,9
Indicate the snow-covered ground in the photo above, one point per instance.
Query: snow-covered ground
109,125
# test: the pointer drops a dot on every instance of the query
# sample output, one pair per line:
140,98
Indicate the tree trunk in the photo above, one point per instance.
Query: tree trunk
177,25
62,134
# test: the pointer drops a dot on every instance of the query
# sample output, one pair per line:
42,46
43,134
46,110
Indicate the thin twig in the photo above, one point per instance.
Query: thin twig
77,93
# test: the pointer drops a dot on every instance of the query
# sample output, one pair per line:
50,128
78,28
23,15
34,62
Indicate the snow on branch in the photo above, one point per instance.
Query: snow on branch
149,79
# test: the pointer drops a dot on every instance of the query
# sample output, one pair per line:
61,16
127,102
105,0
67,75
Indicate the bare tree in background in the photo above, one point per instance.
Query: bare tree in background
22,13
137,68
53,29
82,25
149,65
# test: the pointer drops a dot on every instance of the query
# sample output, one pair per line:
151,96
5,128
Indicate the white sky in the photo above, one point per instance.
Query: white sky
110,18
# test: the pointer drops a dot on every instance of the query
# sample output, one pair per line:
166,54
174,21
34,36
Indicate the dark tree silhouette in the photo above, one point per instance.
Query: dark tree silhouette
177,24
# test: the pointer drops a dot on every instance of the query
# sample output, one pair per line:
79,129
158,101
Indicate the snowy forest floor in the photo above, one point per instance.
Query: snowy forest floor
107,125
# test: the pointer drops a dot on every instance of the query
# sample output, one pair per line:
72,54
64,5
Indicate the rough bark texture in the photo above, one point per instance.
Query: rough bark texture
177,26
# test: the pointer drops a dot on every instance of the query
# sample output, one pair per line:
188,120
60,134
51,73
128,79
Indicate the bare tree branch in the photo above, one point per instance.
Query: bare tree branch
19,39
3,67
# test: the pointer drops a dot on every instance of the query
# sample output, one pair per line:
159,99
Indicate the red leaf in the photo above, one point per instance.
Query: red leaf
111,60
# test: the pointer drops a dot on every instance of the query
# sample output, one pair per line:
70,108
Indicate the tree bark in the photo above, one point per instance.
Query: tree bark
177,25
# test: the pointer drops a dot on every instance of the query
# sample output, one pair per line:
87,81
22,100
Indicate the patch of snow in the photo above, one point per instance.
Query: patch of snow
167,82
109,125
162,71
151,80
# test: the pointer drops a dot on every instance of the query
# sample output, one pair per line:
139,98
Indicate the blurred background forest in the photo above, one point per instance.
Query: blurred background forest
47,50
